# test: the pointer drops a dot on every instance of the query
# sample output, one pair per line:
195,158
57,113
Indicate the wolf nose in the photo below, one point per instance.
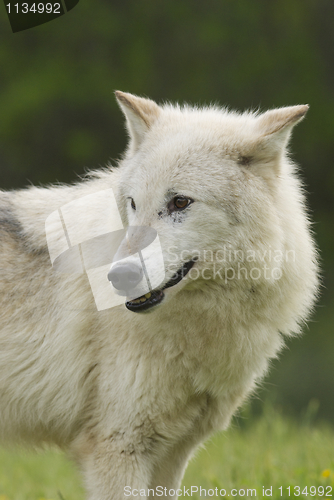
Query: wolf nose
125,276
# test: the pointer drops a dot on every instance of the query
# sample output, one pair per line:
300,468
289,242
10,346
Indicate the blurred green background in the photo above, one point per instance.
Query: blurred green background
58,115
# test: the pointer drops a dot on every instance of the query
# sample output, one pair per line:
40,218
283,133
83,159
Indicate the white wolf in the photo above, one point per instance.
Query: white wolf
132,390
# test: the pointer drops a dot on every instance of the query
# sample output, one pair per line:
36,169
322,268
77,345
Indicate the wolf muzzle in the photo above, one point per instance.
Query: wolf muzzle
125,276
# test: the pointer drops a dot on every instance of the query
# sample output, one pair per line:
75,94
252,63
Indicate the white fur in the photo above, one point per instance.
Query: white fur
130,396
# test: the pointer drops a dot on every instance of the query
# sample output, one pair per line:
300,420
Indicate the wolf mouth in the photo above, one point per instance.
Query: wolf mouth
151,299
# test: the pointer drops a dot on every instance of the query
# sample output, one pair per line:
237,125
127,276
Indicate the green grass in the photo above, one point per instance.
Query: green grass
270,450
35,476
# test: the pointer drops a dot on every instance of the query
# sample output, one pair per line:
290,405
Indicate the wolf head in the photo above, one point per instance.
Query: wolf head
222,195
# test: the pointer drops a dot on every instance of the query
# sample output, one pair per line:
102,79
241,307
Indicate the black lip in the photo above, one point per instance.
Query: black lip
155,299
158,295
180,274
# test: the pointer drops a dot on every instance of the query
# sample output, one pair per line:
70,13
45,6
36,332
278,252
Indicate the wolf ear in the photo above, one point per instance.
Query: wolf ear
140,115
273,128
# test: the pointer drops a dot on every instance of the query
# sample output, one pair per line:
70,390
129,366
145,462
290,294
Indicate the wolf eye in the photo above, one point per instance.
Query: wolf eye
133,205
179,203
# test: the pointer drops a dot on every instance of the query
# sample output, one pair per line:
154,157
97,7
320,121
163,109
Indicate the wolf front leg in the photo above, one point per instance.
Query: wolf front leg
168,472
112,473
